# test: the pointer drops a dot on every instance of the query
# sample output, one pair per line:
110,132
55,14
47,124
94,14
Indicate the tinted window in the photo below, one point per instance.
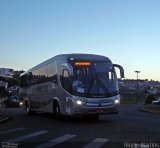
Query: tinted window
51,69
43,74
36,77
52,74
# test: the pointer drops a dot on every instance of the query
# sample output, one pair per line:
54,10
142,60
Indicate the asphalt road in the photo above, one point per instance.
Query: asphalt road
131,128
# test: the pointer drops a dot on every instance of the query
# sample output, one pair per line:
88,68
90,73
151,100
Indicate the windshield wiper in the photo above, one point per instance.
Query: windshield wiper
100,84
90,86
103,86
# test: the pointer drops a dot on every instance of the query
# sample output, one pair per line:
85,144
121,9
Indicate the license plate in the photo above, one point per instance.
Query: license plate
100,111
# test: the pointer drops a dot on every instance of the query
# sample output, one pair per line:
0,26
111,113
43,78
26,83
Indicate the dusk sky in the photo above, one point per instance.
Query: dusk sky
126,31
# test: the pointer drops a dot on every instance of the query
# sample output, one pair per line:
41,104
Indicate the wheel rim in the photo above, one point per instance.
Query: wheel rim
27,109
57,110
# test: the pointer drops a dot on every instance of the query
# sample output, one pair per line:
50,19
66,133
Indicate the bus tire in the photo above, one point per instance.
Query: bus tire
56,110
29,112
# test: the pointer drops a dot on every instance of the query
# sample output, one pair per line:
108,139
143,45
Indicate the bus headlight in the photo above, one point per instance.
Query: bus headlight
117,101
79,102
21,103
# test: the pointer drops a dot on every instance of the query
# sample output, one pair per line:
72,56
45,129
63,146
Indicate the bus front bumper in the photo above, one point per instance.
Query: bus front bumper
82,110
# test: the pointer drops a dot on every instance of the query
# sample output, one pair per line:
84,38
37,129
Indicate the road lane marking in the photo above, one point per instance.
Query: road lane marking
12,130
56,141
96,143
19,139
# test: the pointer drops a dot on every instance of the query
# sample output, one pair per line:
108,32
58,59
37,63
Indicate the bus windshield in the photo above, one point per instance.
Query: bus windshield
94,79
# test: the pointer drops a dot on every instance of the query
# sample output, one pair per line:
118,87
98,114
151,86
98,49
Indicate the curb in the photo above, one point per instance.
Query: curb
150,111
5,119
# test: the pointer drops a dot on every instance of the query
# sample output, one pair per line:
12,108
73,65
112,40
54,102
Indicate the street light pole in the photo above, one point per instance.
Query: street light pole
137,85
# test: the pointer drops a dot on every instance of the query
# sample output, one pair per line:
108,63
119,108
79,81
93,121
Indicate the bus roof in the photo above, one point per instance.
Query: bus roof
73,57
81,57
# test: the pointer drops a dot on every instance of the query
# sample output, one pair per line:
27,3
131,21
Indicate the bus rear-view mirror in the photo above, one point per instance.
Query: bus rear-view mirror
121,70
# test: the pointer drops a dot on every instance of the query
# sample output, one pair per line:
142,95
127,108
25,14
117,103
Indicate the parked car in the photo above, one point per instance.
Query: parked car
157,101
14,98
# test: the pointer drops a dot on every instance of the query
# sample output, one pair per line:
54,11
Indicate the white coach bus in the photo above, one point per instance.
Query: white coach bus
72,84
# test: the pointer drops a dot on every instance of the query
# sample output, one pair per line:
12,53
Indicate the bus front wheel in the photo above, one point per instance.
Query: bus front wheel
29,112
56,109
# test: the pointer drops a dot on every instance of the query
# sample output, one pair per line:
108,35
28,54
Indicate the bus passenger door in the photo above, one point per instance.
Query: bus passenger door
66,84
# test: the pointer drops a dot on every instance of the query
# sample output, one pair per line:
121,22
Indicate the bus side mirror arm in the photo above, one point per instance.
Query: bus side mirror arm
121,69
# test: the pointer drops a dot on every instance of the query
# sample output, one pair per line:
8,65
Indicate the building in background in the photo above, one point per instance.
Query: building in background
6,72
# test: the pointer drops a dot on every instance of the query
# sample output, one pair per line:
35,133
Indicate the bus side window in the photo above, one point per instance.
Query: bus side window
55,79
29,80
42,74
52,74
35,78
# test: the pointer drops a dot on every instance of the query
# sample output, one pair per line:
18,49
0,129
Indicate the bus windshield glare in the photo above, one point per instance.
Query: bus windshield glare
94,79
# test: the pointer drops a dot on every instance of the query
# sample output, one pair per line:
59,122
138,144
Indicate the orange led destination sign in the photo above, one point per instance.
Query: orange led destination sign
82,63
